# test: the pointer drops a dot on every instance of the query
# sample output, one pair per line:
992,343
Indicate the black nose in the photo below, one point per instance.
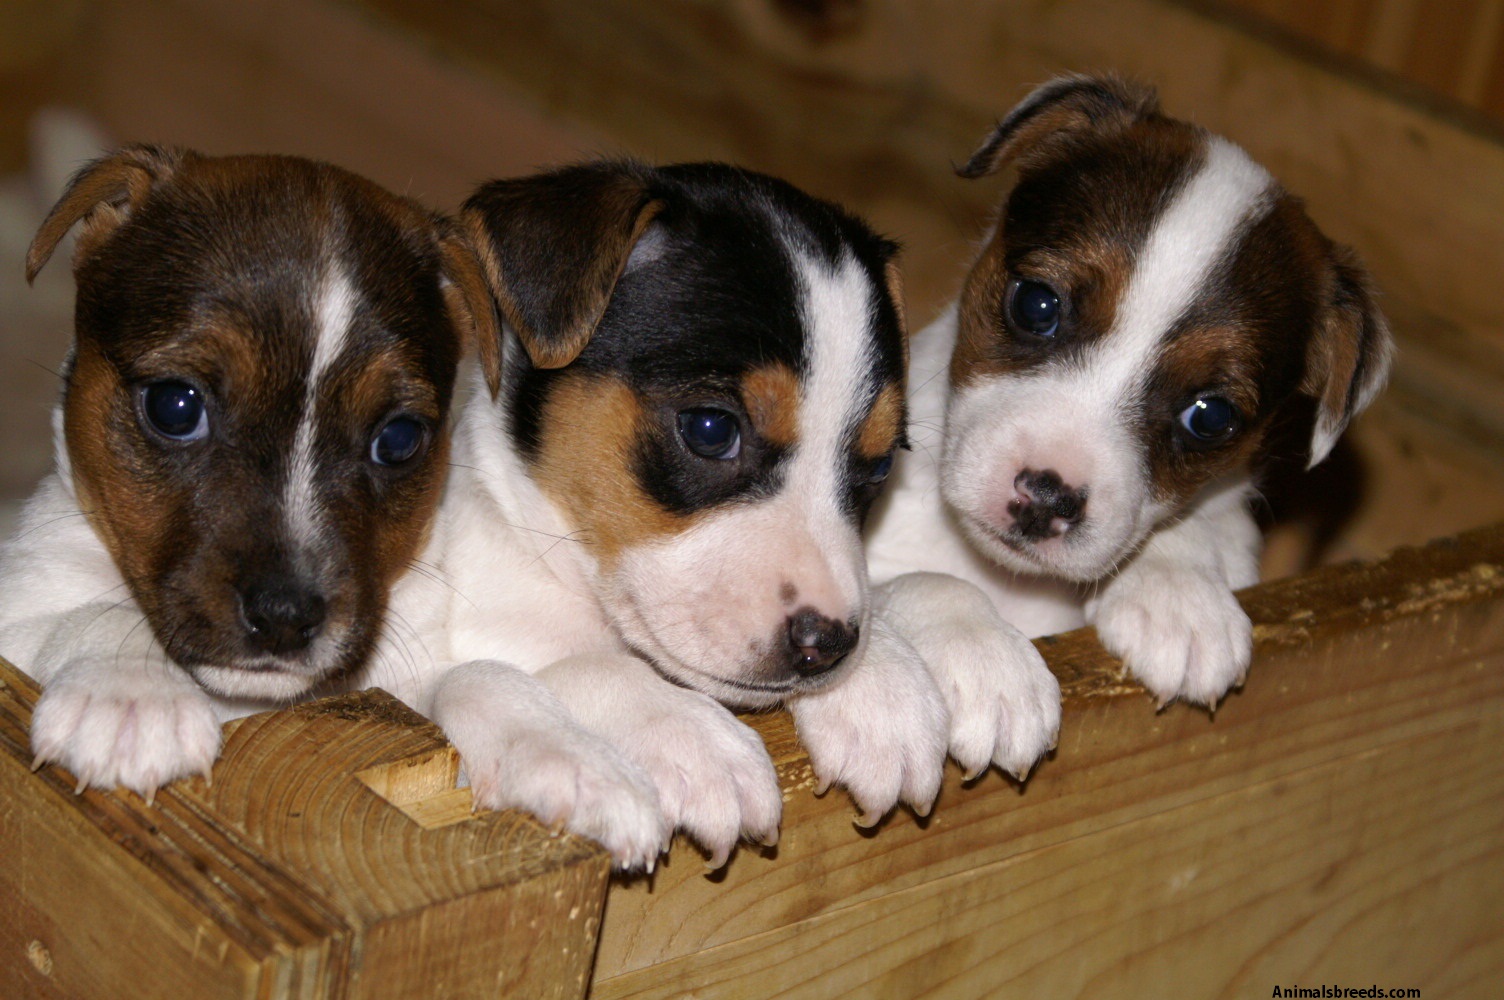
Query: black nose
280,615
1045,506
817,643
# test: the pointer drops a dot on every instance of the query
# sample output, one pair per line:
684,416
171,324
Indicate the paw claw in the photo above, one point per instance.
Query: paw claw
38,762
869,819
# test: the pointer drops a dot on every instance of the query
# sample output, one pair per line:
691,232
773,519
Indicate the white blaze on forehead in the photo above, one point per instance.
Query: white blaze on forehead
837,310
1187,242
334,311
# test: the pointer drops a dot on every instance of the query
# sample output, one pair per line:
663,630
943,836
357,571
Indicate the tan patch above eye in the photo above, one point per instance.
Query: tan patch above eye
771,394
591,429
880,431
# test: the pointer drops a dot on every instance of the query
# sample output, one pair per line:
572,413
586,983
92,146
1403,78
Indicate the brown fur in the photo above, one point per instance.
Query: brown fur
881,430
591,429
771,395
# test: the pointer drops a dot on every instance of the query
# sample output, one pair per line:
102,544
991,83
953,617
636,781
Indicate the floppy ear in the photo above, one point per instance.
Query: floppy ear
1348,360
552,247
103,195
1064,108
469,300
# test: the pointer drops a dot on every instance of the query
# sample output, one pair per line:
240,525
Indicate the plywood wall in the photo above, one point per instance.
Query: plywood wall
1454,48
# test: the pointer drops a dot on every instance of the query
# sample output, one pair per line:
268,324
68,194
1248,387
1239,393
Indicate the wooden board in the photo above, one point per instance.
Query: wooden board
327,860
1339,822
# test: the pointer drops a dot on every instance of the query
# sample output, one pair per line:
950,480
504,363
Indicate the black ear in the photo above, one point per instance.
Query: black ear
552,247
103,194
1066,107
1348,360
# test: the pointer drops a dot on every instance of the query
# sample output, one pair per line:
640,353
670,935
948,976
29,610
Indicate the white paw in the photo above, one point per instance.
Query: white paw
1004,702
714,777
131,729
571,779
881,731
522,749
1182,634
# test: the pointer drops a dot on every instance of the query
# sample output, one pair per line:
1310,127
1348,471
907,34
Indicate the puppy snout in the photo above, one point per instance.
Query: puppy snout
281,616
818,643
1043,506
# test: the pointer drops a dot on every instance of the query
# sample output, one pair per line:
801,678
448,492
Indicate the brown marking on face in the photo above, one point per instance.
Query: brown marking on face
1217,359
132,514
1075,221
591,431
881,430
771,395
893,278
788,593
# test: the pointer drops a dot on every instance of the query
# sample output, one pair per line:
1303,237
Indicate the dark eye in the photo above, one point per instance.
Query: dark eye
175,410
1209,420
1034,308
710,433
398,442
880,469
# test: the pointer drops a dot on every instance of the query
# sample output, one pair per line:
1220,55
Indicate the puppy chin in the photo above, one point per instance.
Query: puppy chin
257,683
750,683
274,679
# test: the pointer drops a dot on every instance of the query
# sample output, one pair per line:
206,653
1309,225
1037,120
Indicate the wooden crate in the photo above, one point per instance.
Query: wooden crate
1338,822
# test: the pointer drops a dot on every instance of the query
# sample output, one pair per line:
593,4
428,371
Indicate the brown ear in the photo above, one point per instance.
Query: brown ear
552,247
1348,360
103,195
1059,110
469,301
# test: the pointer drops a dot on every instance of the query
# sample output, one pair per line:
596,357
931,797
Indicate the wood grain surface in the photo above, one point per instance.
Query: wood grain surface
1339,821
292,875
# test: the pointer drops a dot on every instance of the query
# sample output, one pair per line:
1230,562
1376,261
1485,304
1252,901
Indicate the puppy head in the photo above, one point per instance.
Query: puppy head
711,391
1151,302
255,404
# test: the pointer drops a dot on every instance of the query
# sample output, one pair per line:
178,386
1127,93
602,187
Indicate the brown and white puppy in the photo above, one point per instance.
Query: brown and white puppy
250,449
703,372
1150,305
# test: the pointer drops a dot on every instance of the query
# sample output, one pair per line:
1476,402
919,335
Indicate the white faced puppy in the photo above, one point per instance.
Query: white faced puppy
704,390
250,449
1150,305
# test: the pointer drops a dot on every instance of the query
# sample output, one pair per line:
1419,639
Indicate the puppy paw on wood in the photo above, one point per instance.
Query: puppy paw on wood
714,778
521,749
880,732
1004,703
135,729
1181,633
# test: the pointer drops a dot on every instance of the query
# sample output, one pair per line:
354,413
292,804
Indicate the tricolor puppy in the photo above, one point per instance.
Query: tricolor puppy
250,449
702,388
1149,307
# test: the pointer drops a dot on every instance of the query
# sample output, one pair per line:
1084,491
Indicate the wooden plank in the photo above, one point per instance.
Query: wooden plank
1338,821
291,876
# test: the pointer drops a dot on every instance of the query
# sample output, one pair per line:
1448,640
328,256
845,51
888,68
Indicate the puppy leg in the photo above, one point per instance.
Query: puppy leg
713,774
1170,613
880,732
114,709
1004,702
522,749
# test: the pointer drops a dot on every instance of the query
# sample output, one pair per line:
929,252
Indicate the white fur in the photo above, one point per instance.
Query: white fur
335,309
